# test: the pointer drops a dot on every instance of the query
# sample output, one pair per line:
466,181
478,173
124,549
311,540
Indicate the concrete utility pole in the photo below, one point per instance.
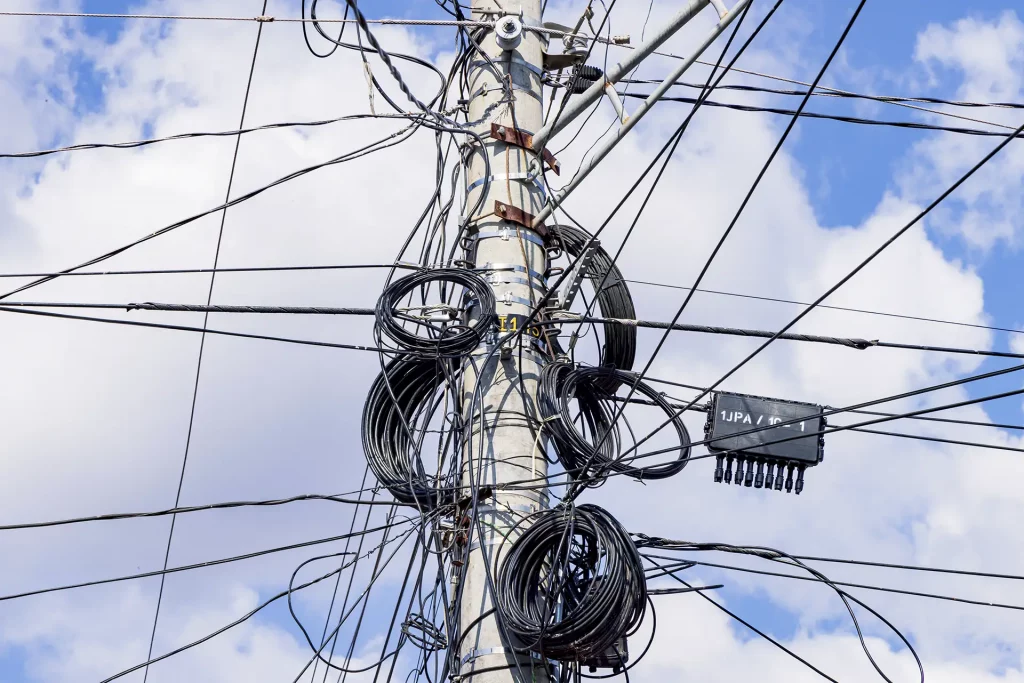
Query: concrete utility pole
505,107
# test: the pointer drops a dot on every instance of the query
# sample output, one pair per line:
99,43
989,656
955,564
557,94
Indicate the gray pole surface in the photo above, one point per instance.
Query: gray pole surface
510,447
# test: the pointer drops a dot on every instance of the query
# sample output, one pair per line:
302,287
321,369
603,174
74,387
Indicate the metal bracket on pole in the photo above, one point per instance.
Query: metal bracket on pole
517,215
520,138
581,273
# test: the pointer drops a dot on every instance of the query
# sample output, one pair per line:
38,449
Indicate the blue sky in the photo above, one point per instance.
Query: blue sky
847,169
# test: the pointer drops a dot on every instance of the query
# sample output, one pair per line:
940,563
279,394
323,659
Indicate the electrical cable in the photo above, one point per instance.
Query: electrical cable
562,382
832,411
883,589
832,430
670,147
266,603
132,144
743,204
644,541
833,308
451,338
750,626
853,343
202,346
857,120
846,278
345,551
612,350
601,593
946,420
932,439
189,567
402,395
196,508
911,567
188,328
822,91
612,297
254,269
389,141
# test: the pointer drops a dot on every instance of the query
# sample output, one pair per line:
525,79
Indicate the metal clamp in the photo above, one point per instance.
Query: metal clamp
509,176
483,652
515,59
508,300
515,267
505,279
506,234
528,354
506,507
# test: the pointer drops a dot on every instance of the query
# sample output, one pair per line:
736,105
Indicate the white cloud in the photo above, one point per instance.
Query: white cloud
987,59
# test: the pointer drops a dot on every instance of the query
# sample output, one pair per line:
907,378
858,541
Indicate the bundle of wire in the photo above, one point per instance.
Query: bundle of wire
398,407
587,457
572,585
612,297
452,338
643,541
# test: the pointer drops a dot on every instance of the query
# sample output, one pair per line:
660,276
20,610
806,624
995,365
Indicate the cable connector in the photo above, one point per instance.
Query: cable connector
264,19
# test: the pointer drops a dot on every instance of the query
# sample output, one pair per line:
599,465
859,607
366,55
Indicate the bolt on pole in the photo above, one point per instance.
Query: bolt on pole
501,440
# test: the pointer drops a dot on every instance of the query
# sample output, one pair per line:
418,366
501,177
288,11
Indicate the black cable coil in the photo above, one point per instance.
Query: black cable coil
613,298
400,401
572,584
447,340
588,457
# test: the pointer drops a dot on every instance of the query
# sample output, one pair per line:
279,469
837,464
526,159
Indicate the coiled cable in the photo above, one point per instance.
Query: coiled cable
588,457
612,296
572,584
454,336
403,396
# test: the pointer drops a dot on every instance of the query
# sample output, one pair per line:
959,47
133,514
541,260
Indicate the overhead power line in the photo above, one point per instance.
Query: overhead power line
898,101
390,140
947,420
848,342
132,144
750,626
935,439
189,328
823,91
338,498
883,589
852,273
911,567
260,19
818,89
901,316
197,565
915,125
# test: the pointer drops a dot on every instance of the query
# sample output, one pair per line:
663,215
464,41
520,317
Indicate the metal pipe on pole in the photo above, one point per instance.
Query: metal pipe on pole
640,112
501,442
582,102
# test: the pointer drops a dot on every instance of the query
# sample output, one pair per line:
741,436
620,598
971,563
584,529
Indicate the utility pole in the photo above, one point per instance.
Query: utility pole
505,107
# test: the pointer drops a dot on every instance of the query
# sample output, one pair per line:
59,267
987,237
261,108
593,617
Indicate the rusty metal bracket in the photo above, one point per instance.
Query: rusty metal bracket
520,138
553,61
516,215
